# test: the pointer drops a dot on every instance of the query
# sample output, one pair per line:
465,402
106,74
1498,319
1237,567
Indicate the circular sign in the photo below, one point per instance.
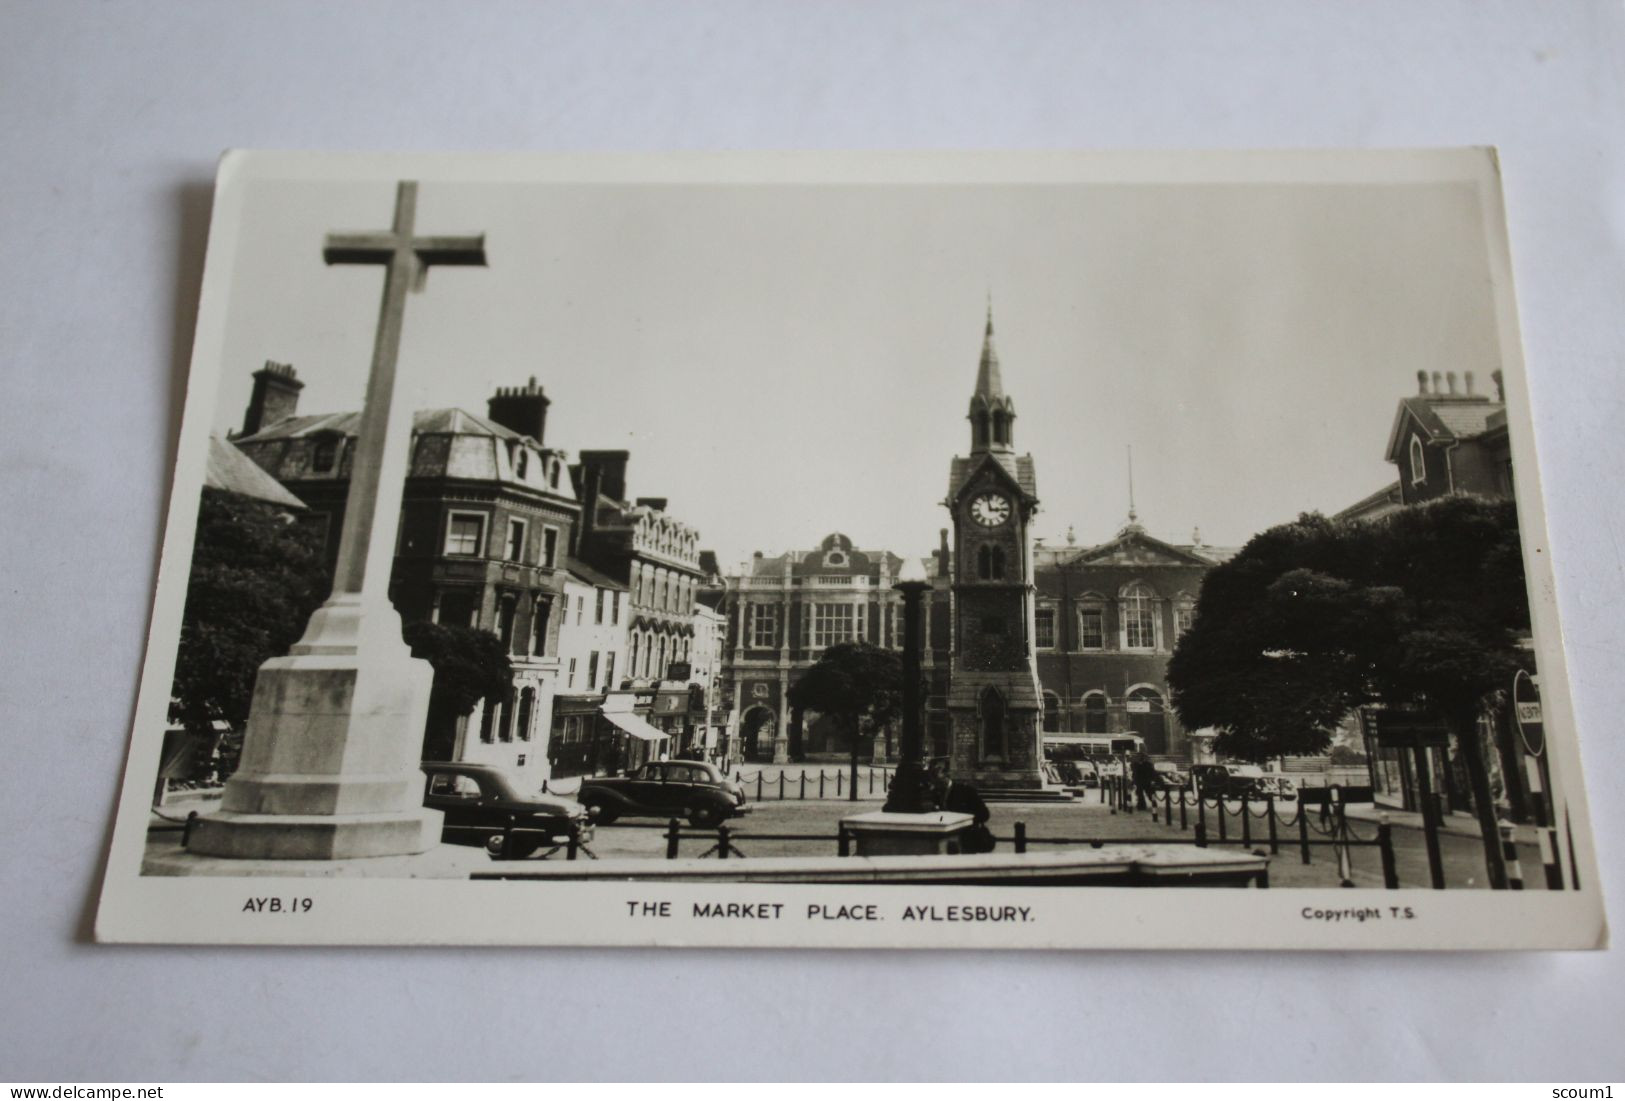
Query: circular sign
1526,707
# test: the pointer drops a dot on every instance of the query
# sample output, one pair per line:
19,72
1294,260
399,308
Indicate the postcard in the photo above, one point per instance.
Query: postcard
1006,550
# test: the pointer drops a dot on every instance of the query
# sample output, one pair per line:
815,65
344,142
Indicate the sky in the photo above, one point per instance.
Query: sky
784,361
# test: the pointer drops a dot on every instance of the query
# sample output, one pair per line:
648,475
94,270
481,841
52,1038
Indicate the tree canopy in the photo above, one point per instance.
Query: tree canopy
1423,607
256,576
469,665
856,682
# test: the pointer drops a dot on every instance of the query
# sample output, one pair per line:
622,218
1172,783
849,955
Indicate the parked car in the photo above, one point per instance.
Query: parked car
1170,777
1230,781
695,790
1279,786
478,802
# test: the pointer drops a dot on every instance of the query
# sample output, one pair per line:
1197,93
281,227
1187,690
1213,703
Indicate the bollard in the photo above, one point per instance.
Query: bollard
1102,786
820,783
781,785
1201,814
1021,837
839,777
722,842
1246,824
871,781
571,846
1385,845
1303,832
843,842
673,837
758,787
1275,840
1182,823
1201,833
1219,810
1509,855
1167,808
803,785
186,830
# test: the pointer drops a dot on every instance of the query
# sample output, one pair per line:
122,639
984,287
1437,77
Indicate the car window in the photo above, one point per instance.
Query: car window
688,774
654,772
454,786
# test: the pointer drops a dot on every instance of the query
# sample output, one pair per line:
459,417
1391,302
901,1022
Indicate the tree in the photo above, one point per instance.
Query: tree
856,684
1421,608
256,576
469,665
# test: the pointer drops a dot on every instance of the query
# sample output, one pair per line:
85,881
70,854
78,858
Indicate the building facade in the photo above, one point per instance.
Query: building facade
781,613
488,517
1106,621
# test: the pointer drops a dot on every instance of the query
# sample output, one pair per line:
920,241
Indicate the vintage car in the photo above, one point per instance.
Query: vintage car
695,790
1230,781
479,802
1169,776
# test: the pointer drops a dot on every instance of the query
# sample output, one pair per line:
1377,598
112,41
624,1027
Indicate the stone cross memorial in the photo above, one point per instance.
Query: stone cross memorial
329,766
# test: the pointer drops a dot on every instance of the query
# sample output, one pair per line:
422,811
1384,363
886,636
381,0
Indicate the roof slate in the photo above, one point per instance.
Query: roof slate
230,471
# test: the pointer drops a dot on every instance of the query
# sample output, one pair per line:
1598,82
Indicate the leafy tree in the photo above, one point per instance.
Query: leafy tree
256,576
1421,608
469,665
857,684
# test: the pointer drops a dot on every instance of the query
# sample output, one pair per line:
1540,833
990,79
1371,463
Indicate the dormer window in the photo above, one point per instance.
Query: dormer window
1419,468
324,456
521,463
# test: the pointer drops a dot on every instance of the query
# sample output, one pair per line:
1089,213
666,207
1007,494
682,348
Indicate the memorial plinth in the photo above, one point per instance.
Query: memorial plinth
885,833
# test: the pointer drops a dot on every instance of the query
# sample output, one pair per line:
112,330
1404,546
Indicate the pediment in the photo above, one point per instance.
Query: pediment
1139,549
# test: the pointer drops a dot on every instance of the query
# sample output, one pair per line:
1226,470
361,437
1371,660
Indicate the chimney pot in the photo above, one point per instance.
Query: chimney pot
1450,381
1500,385
275,396
1422,382
1467,382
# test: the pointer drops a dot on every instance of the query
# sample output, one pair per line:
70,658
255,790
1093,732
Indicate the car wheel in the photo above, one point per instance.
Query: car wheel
603,813
702,818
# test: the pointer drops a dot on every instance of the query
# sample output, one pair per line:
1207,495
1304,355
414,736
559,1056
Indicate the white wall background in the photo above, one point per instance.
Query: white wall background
113,115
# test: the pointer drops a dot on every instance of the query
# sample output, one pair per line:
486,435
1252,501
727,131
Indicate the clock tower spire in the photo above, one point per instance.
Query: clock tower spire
995,703
992,414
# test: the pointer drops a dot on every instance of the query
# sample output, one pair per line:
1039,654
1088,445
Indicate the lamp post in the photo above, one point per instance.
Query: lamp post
910,787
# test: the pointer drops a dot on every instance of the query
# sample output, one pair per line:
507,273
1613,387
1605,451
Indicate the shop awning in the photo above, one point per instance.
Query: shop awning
635,726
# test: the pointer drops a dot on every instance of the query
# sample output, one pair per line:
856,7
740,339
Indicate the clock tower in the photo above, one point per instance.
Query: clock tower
994,699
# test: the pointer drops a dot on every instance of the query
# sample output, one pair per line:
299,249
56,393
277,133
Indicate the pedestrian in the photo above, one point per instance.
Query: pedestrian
961,797
1145,780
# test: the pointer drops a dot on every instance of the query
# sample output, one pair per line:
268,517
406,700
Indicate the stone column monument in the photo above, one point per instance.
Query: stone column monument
329,767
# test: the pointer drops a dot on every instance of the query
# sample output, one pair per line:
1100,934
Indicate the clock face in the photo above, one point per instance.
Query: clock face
990,510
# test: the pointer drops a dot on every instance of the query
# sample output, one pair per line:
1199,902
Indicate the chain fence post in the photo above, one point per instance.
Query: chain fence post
1303,831
1021,837
1246,823
1509,855
820,783
186,830
1385,843
803,784
759,778
1201,832
673,838
1275,839
1183,824
1219,810
843,842
722,842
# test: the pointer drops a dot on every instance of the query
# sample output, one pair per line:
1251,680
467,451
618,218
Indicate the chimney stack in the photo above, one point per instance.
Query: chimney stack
1422,383
1500,386
611,467
1450,381
521,408
1438,388
591,481
1467,382
275,396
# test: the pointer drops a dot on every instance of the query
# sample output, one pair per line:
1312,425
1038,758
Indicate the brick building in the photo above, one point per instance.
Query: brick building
782,612
1106,621
488,517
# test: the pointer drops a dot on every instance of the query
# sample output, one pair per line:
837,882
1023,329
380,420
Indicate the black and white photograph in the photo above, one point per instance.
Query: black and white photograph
891,551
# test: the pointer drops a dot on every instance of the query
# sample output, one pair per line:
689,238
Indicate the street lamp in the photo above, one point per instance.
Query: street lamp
910,787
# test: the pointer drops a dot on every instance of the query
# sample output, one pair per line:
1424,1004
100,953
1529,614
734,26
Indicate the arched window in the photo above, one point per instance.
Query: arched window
1094,712
1137,607
1001,427
521,461
1052,712
992,724
632,664
980,423
1419,466
660,665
